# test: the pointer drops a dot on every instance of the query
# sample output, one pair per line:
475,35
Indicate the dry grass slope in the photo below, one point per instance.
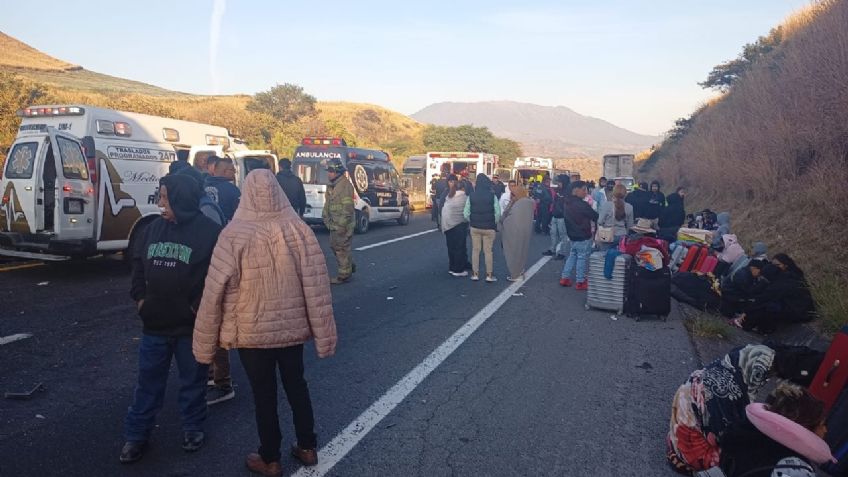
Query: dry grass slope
774,151
16,54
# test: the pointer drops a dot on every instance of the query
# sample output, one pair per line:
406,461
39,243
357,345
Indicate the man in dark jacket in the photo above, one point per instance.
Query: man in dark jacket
639,198
220,186
655,203
579,220
672,218
169,270
545,197
498,187
292,186
558,235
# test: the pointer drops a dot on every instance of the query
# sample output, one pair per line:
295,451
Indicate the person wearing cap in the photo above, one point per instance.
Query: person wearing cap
169,268
339,216
292,186
644,226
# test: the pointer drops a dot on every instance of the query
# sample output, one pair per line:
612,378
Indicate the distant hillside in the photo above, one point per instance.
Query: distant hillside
16,54
28,73
772,150
542,130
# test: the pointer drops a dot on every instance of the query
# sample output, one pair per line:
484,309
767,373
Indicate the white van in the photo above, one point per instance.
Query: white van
444,163
99,191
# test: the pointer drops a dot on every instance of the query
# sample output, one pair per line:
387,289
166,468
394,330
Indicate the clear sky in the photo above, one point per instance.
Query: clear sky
634,63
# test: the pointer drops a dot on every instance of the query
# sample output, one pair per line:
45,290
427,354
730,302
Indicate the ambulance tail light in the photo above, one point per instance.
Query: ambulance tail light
324,141
32,112
89,151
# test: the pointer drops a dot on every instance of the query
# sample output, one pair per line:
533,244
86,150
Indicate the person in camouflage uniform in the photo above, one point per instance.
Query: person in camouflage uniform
339,217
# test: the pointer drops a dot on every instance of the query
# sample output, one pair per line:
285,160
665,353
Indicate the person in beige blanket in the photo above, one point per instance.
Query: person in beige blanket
266,294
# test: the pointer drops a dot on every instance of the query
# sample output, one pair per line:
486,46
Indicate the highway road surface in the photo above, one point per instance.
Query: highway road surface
433,375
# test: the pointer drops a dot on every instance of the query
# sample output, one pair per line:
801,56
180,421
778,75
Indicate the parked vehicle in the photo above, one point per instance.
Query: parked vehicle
379,195
81,181
443,163
617,165
412,179
532,167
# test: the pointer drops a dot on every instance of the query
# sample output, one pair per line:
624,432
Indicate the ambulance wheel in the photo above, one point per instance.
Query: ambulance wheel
362,222
404,217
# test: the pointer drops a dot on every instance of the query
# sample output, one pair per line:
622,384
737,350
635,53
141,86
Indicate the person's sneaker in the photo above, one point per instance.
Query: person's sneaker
559,257
193,440
566,282
256,465
491,278
217,394
475,277
584,285
459,274
307,457
547,253
132,451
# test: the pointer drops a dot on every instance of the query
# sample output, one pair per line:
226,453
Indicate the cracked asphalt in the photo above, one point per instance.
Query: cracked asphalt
544,387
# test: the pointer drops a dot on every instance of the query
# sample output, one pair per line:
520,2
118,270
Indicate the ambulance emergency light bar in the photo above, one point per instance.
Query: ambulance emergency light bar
57,111
324,141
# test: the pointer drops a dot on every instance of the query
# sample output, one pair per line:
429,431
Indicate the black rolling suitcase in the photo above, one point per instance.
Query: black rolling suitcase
649,293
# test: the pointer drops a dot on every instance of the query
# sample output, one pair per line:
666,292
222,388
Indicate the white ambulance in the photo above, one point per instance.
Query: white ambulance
445,163
537,168
81,181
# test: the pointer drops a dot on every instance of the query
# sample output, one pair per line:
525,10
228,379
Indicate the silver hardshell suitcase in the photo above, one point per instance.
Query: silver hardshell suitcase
603,293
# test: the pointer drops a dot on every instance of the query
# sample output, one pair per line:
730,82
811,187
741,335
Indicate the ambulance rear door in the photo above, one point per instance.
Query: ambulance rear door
74,206
23,200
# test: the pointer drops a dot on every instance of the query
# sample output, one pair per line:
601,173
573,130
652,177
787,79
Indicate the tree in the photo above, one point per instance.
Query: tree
723,76
15,94
286,102
468,138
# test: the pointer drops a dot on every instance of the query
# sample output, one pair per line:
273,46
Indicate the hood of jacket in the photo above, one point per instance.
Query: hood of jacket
184,194
674,199
263,198
723,218
483,183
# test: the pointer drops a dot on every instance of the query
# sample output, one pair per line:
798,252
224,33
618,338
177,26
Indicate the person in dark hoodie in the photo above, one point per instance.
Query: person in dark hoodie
220,186
639,198
292,186
786,299
208,206
579,217
168,273
655,203
482,211
672,218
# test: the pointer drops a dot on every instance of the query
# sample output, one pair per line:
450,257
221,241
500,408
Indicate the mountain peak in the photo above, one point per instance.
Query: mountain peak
556,131
17,54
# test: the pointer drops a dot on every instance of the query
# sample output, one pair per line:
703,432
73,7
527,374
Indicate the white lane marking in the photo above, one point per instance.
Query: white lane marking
405,237
349,437
12,338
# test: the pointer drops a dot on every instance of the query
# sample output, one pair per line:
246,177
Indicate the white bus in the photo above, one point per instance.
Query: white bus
445,163
81,181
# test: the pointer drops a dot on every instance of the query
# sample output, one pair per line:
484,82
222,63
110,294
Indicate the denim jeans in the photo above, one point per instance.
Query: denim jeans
154,362
578,256
558,236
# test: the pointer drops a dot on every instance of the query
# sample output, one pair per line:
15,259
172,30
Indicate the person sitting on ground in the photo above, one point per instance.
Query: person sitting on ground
738,290
579,220
723,222
267,293
786,299
672,218
711,400
292,186
617,214
765,445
